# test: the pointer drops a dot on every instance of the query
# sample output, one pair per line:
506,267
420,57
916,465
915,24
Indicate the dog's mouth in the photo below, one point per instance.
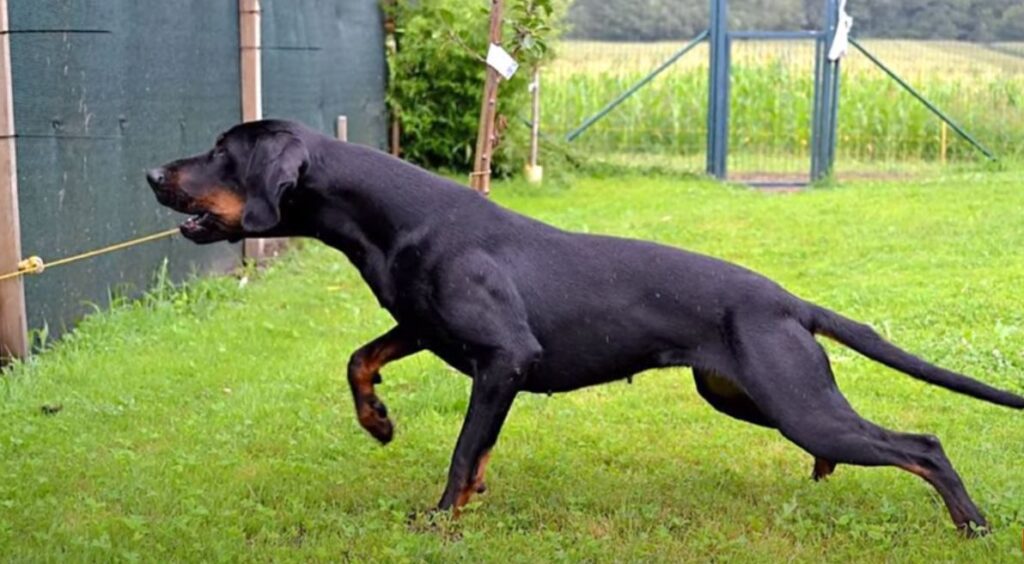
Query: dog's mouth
203,224
203,227
196,223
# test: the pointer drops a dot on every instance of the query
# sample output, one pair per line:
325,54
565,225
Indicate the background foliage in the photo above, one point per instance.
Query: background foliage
437,77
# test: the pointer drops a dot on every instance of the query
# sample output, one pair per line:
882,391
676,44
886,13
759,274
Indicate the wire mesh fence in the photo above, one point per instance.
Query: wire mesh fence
969,63
883,127
662,123
772,94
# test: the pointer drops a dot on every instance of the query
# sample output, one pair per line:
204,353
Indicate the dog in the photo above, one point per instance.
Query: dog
521,306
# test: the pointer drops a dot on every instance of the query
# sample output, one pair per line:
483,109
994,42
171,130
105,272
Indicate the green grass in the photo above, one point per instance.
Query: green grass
214,423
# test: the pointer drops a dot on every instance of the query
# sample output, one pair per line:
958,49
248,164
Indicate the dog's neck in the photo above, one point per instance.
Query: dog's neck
369,205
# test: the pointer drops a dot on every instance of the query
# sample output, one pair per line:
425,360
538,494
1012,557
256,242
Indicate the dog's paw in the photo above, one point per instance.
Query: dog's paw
427,516
822,469
436,522
974,528
373,416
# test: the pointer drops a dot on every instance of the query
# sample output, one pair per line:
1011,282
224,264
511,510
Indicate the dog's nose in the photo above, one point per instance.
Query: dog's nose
155,177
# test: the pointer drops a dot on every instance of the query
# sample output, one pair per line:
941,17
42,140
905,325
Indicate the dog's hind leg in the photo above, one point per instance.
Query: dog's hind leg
726,397
364,371
787,374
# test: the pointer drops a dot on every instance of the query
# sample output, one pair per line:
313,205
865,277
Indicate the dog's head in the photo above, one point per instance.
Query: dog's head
235,189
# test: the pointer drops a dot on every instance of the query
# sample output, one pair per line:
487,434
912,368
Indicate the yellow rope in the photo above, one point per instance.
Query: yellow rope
35,265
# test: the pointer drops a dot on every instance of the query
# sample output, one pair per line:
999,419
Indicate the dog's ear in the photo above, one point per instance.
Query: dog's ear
276,165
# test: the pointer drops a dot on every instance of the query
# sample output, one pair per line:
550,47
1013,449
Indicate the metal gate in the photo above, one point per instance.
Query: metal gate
766,109
802,127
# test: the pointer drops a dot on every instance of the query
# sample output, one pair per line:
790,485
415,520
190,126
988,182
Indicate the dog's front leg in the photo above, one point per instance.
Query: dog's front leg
495,386
364,371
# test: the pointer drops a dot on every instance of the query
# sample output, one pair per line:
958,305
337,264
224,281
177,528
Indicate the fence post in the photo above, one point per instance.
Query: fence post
13,325
252,89
341,128
718,89
826,98
251,70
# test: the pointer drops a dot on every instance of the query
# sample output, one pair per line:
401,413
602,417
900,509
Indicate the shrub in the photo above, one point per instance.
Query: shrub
437,76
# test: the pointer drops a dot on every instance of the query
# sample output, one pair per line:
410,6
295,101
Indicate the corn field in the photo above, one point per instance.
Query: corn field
981,87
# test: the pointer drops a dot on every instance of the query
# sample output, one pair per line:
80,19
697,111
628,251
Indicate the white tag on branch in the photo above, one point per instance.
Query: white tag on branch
499,60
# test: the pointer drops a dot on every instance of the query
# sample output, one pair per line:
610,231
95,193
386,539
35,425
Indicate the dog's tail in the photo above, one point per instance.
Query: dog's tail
867,342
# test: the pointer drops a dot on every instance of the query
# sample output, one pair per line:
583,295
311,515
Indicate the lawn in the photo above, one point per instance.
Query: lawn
213,422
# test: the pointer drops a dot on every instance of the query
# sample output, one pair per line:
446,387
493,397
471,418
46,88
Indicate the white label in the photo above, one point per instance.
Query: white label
499,60
841,40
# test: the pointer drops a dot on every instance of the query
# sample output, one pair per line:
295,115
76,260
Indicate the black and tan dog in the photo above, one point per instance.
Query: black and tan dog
518,305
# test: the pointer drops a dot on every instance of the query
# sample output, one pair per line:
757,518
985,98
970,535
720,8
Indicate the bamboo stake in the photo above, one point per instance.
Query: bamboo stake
480,180
534,172
391,44
396,135
943,142
535,130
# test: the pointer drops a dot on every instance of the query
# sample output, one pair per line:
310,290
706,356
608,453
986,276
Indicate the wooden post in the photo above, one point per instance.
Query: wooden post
341,128
13,325
485,138
252,89
396,135
391,44
534,172
251,71
943,142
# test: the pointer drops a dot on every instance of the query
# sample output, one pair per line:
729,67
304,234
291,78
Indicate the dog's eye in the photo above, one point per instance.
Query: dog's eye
219,152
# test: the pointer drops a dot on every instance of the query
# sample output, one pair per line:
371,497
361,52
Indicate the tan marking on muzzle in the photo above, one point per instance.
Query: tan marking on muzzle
224,204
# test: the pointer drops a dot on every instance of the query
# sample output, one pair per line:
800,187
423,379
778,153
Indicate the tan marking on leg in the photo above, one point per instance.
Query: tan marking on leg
722,386
918,470
956,512
481,468
476,485
371,412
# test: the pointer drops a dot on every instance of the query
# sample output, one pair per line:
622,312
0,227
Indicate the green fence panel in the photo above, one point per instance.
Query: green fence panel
102,90
324,58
